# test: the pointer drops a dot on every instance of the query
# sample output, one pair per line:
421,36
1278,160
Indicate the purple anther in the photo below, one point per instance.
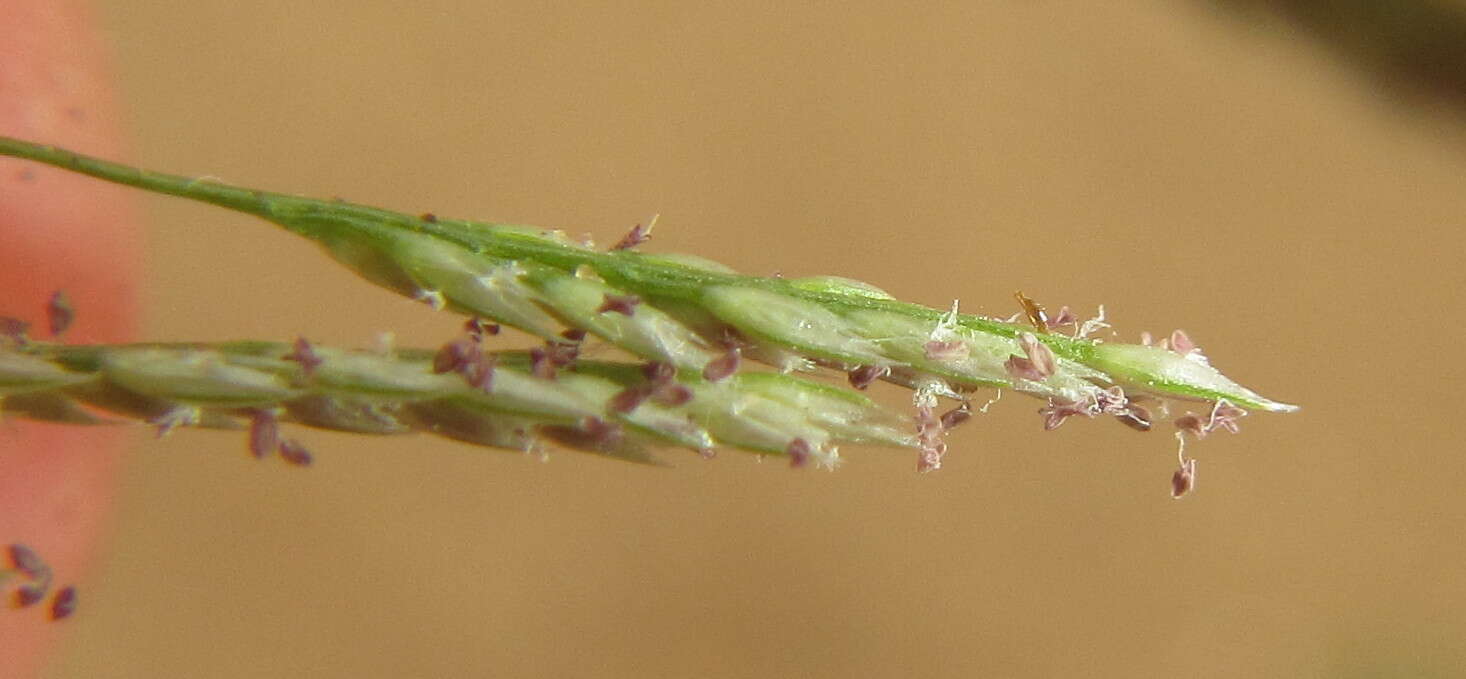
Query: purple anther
1136,417
295,453
630,398
453,356
724,366
1184,479
14,329
951,350
671,394
303,353
621,304
1057,411
478,328
956,416
1063,318
480,372
1181,342
59,313
658,372
638,234
64,603
264,433
866,375
25,560
799,452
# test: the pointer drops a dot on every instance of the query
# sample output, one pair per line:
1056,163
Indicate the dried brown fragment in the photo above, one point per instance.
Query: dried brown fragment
64,603
59,313
621,304
295,453
303,353
264,433
866,375
429,218
724,366
1035,313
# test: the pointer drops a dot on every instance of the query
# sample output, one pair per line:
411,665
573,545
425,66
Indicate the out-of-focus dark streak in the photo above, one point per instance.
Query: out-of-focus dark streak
1414,48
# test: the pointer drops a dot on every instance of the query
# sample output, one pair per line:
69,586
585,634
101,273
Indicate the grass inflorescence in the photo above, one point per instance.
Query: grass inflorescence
689,323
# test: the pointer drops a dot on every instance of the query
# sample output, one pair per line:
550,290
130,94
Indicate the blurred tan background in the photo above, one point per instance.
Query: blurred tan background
1186,167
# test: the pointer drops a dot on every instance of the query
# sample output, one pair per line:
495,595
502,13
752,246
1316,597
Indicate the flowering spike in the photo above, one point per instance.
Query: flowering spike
541,281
